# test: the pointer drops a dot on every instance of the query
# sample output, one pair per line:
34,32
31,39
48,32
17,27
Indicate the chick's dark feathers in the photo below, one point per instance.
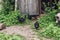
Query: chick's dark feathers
21,19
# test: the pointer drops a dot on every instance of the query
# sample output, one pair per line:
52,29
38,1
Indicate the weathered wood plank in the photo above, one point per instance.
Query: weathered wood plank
19,4
27,10
39,6
22,6
29,7
33,7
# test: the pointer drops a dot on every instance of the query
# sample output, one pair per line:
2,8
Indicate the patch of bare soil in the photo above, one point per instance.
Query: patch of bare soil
25,31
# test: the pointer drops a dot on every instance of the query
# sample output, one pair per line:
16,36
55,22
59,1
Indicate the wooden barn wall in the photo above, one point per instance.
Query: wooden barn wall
28,7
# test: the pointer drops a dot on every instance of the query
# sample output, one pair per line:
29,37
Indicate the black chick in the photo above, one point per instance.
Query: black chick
36,25
29,17
20,19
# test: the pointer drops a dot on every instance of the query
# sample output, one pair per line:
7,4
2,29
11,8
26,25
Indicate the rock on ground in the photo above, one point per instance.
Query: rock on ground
2,26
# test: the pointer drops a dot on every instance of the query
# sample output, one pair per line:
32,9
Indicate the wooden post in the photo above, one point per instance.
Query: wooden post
15,5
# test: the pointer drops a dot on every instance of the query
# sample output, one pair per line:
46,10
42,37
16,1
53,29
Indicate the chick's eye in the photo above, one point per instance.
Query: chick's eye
57,17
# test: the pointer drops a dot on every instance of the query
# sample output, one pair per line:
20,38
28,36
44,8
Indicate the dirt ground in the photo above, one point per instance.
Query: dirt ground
25,31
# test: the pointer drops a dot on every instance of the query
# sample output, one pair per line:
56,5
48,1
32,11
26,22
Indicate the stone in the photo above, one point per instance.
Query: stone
2,26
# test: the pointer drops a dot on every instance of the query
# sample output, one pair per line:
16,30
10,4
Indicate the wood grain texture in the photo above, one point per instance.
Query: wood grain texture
29,7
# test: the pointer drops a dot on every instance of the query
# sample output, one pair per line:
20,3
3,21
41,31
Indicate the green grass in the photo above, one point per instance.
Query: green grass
11,18
48,28
4,36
